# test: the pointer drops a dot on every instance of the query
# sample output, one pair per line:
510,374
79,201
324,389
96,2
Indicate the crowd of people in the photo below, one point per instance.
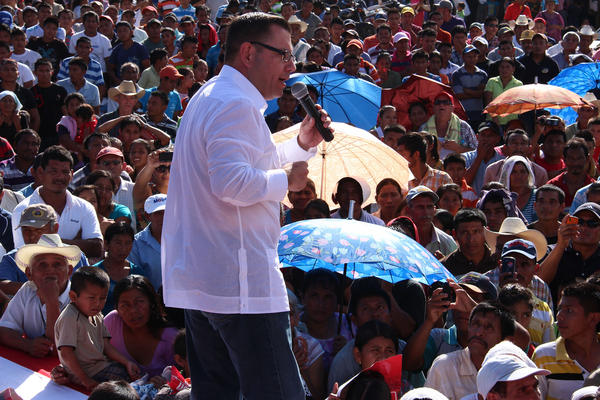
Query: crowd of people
91,98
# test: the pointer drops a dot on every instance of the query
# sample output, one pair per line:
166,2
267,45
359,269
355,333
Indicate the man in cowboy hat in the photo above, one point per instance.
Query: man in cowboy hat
520,25
514,228
28,322
126,95
297,30
577,251
587,35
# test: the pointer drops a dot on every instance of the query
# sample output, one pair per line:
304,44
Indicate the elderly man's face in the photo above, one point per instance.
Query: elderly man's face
421,210
484,332
32,235
522,389
49,269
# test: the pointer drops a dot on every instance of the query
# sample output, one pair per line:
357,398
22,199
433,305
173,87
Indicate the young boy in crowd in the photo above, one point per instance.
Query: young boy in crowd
82,340
456,166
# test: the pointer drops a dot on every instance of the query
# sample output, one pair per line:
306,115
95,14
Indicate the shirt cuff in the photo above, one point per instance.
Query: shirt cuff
277,184
291,151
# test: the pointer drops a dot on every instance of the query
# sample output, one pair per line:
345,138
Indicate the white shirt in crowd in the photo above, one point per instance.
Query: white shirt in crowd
78,215
101,47
28,58
221,225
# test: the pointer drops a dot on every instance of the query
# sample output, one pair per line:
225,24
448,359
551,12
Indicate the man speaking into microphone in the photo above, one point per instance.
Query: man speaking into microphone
221,225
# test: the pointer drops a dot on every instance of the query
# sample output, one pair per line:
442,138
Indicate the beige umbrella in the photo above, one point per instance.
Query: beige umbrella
353,152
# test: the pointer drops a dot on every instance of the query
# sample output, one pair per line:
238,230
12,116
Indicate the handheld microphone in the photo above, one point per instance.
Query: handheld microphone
300,92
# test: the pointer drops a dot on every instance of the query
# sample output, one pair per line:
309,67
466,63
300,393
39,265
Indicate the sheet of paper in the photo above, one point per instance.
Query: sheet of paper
31,385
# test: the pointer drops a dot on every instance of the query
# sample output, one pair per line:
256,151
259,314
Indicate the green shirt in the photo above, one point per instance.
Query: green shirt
494,85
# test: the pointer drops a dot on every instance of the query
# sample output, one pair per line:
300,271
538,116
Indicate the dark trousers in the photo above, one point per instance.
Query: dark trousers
249,354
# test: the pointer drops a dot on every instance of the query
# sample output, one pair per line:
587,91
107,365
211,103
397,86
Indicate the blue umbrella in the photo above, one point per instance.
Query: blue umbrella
344,97
357,249
579,79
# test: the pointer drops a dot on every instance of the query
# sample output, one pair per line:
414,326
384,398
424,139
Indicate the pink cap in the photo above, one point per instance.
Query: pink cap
109,151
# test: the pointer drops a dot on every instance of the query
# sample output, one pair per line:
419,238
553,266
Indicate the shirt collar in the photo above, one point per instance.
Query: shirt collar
246,87
466,367
452,335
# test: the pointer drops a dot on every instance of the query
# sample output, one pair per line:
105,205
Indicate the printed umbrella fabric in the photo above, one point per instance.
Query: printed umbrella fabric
346,98
358,248
521,99
352,152
418,89
579,79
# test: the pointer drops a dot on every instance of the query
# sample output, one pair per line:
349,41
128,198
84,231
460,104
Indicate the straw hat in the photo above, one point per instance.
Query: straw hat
48,244
128,88
521,20
513,226
293,20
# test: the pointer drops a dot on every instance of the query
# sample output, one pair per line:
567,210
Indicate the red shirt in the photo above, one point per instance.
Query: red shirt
444,36
514,10
550,167
559,181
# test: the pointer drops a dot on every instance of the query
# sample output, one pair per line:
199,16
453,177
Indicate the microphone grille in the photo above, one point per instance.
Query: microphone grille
299,90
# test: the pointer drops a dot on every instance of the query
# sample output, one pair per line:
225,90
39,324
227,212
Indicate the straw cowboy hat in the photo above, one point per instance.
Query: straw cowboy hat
522,20
128,88
48,244
295,20
513,226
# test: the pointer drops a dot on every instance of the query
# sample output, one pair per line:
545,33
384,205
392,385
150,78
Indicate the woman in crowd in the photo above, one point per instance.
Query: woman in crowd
554,21
12,117
299,200
388,195
450,198
139,150
517,176
106,188
90,193
137,326
501,83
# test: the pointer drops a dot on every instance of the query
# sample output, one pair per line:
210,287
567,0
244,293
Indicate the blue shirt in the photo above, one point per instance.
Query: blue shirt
470,157
173,106
212,56
182,12
146,253
135,54
93,73
38,31
9,270
462,79
27,190
89,91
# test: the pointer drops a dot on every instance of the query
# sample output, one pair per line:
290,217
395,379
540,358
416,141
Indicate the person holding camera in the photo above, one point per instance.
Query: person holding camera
152,179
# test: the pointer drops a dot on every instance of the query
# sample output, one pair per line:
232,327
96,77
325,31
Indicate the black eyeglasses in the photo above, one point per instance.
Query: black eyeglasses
286,55
590,223
163,168
442,102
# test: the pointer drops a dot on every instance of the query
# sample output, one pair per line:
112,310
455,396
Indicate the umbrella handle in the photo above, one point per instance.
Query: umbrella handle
341,306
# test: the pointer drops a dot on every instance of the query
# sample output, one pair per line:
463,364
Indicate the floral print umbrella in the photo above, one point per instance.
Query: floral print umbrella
357,249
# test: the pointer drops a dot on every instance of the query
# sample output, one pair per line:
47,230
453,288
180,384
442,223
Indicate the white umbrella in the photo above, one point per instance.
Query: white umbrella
353,152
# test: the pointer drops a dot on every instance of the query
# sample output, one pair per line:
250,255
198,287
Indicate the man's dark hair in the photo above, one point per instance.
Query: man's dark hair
189,39
414,142
202,7
156,55
323,278
420,54
586,135
517,131
491,18
507,321
83,39
4,45
125,24
594,121
89,14
382,27
162,96
78,61
114,390
373,329
93,177
118,228
575,144
366,287
130,121
56,153
555,132
250,27
349,56
469,215
88,139
416,104
427,32
337,21
444,44
179,344
89,275
368,385
320,205
551,188
43,4
51,20
594,188
514,293
505,42
457,30
454,158
24,132
586,293
17,32
42,61
394,128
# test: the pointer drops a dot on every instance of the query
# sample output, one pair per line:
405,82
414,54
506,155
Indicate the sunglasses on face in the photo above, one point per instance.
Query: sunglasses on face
109,163
590,223
442,102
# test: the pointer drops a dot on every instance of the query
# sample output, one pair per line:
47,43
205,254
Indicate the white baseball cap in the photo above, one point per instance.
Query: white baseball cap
155,203
505,362
585,392
423,393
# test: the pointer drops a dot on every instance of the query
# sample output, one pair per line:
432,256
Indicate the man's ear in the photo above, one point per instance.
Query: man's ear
28,273
356,355
72,296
